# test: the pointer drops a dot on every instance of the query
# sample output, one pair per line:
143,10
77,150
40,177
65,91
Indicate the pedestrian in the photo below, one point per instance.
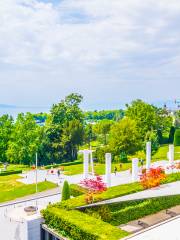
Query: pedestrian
120,166
142,162
58,173
115,170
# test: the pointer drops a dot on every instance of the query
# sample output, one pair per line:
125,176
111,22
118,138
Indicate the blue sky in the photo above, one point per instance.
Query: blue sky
110,51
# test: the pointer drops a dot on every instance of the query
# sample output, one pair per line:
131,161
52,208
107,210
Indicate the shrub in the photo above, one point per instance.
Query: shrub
177,137
133,210
152,177
80,226
6,173
65,191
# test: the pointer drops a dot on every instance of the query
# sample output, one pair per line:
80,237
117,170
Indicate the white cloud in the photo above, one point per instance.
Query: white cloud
122,41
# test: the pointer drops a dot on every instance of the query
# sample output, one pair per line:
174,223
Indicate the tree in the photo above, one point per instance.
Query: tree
177,137
152,136
65,191
102,128
149,117
124,137
24,141
6,127
171,135
63,130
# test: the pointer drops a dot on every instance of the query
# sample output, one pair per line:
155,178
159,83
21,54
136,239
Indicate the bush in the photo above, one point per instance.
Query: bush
152,178
65,191
80,226
63,164
77,190
133,210
177,137
6,173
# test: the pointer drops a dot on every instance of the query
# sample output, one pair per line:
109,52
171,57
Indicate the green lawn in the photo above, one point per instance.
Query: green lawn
11,189
161,154
99,168
14,167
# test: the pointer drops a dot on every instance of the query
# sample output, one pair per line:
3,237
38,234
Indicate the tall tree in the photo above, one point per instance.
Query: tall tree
6,126
25,140
64,130
102,128
125,137
149,117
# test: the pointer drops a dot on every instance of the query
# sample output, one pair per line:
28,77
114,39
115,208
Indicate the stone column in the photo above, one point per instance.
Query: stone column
108,169
135,169
171,154
148,155
86,163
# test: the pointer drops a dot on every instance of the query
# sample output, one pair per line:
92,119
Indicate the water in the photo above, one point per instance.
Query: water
14,111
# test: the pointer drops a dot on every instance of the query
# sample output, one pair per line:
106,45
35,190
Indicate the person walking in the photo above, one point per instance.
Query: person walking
58,173
115,171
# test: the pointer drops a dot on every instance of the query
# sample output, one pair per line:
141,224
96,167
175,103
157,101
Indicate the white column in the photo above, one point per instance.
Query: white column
108,169
171,154
148,155
86,163
135,169
92,163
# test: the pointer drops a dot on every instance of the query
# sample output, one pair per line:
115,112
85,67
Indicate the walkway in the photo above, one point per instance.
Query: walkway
168,230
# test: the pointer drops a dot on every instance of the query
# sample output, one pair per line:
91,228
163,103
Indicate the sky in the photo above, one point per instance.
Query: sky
110,51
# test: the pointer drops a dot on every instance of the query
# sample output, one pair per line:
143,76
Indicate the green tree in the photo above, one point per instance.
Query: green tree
6,126
65,191
171,135
103,128
25,140
125,137
149,118
63,132
177,137
152,136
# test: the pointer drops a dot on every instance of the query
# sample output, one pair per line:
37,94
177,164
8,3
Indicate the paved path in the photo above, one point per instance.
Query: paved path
163,190
168,230
118,179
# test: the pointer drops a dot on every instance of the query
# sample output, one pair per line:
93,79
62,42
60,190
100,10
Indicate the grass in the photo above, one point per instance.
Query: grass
14,167
161,154
11,189
99,168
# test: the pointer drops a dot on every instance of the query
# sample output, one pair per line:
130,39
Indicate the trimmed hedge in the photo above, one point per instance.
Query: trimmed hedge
133,210
80,226
77,190
63,164
6,173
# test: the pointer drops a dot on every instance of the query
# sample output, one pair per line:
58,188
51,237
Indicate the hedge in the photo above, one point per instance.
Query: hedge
63,164
6,173
80,226
133,210
77,190
114,192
